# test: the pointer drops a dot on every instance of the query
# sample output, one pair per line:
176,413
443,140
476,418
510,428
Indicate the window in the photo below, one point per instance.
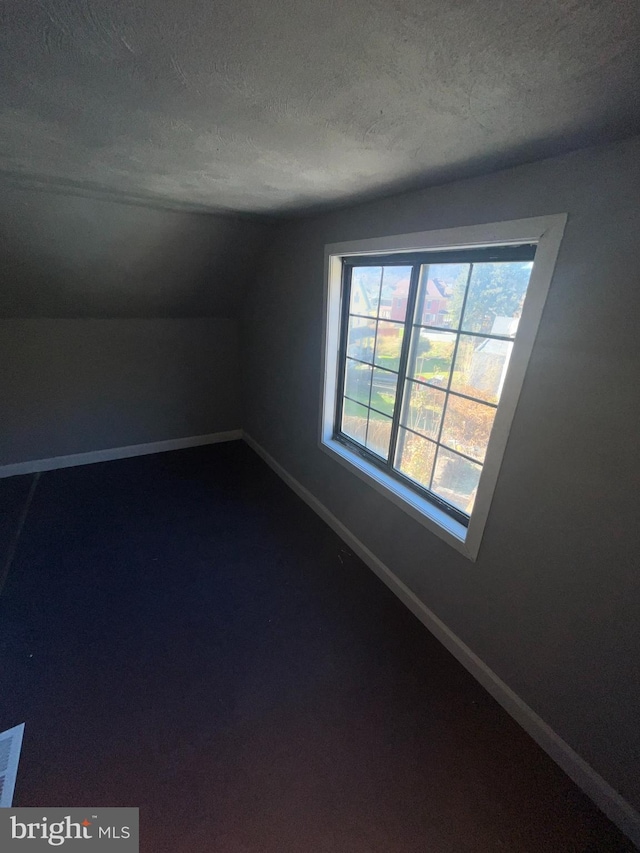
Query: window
425,348
427,339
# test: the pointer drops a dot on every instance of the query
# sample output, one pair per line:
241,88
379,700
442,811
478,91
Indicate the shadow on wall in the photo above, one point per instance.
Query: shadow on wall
117,322
68,256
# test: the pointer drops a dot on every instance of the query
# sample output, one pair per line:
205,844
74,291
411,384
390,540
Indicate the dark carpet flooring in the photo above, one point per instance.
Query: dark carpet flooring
181,633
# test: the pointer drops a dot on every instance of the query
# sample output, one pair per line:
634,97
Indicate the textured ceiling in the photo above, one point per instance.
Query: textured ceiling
286,105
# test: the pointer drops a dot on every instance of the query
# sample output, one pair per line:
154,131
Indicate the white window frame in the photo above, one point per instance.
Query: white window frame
546,232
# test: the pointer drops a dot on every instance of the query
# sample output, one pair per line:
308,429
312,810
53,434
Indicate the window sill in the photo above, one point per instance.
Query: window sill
420,509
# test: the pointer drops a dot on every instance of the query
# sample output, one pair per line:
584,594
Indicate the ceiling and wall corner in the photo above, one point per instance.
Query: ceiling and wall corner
283,107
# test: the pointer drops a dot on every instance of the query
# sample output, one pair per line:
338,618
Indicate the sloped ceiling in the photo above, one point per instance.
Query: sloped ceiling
283,106
66,256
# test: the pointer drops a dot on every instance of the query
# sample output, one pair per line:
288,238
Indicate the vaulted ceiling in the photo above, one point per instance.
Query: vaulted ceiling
276,106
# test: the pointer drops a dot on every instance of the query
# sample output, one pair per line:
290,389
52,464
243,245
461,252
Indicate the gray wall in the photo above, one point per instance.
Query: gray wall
552,603
72,386
89,358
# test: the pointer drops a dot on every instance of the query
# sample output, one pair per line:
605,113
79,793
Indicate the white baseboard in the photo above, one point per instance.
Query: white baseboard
54,462
597,788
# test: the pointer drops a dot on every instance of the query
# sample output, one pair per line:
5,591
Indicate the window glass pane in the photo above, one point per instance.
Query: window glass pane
383,391
395,293
423,408
354,421
431,361
467,426
456,480
441,294
365,290
496,295
357,381
457,365
481,367
389,344
361,338
378,434
414,457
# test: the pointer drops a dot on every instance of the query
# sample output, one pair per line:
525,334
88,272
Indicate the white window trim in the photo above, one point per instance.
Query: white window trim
546,232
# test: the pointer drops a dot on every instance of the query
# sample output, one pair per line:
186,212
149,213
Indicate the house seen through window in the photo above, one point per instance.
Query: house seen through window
426,343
